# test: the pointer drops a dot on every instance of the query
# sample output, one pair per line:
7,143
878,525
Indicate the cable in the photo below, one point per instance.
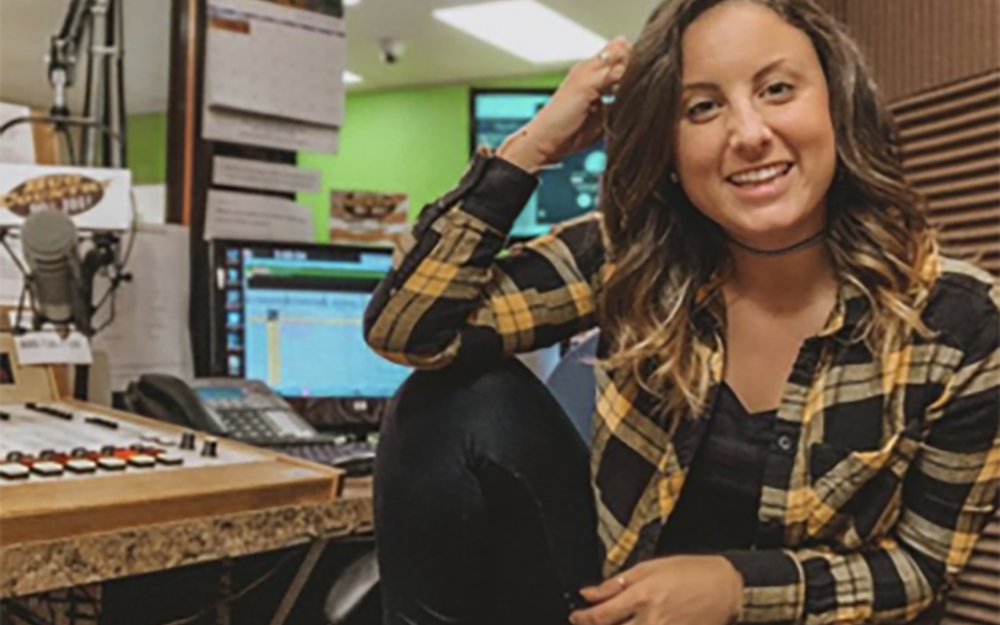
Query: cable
25,289
60,123
232,599
68,142
10,252
120,275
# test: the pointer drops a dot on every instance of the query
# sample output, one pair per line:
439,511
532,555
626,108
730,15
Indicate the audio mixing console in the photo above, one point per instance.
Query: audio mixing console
57,440
69,468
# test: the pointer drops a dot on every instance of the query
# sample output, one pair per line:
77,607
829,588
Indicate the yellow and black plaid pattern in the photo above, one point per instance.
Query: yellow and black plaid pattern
884,468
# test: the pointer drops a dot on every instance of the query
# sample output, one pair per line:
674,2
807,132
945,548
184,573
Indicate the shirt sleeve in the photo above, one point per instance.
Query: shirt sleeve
949,494
454,295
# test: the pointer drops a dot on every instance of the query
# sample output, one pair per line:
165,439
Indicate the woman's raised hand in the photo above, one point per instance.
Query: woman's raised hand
573,119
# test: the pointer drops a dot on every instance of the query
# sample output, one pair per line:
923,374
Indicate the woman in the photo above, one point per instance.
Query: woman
797,415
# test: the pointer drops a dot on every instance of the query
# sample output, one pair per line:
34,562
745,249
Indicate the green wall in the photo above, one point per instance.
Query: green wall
147,148
414,141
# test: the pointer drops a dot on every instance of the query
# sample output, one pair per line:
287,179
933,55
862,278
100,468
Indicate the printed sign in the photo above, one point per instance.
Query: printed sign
95,198
366,218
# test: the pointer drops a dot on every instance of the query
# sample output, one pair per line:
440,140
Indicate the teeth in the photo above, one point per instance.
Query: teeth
759,175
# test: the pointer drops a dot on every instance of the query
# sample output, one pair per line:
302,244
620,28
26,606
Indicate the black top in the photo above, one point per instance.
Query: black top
717,509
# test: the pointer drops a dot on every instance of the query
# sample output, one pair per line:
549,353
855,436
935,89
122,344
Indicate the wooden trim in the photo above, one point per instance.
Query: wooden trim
190,121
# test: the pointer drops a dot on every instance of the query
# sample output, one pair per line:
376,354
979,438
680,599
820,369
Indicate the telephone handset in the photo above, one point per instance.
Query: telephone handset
247,410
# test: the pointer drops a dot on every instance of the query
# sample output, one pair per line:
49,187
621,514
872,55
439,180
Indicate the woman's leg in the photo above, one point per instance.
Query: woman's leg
483,507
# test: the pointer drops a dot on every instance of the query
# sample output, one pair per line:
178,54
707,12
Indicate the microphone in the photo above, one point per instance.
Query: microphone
48,239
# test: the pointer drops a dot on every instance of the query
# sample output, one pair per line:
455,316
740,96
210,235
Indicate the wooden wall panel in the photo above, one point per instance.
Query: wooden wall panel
914,45
976,598
951,150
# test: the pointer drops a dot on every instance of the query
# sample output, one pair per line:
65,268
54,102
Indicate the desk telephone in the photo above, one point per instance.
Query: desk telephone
245,410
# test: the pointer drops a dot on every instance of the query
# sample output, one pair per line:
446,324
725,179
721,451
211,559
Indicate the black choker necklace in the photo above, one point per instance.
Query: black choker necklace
782,251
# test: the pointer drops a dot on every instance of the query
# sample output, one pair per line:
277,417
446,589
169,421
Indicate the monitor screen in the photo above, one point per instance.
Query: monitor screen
292,318
567,191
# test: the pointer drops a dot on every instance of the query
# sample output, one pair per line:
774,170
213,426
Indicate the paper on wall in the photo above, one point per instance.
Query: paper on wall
17,144
275,60
249,174
251,217
149,333
249,129
151,203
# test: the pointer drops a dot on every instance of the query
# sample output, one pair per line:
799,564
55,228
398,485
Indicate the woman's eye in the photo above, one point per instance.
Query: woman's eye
700,109
778,89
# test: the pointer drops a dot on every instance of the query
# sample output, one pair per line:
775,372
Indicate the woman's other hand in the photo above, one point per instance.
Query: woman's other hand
679,590
573,119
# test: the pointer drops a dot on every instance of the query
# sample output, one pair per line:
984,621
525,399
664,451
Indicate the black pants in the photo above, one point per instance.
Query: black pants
484,512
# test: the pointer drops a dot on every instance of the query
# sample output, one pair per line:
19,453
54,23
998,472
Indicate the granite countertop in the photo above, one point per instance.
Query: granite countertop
30,568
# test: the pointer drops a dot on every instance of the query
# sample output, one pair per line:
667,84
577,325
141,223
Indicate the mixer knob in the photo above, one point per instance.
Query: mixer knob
187,440
14,456
170,459
81,465
111,463
210,449
47,454
142,460
78,452
108,450
13,471
47,469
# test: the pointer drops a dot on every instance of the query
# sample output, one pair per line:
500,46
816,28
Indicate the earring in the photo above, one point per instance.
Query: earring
673,177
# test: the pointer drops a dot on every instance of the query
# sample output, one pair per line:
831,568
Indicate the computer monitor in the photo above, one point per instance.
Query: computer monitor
565,192
291,315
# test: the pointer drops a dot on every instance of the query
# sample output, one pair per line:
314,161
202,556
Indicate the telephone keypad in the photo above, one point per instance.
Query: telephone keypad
249,410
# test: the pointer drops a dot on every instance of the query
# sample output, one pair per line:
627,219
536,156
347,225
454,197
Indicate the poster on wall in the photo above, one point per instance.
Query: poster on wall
367,217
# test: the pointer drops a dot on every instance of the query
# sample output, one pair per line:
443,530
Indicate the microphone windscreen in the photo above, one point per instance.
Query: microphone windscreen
48,239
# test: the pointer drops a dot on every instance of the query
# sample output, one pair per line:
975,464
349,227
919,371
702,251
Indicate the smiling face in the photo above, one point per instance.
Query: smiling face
755,145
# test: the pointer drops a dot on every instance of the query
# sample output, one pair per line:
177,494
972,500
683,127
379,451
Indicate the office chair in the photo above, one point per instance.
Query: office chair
572,383
352,599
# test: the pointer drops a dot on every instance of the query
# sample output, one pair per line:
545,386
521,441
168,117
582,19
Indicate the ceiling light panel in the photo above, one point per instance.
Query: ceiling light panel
526,29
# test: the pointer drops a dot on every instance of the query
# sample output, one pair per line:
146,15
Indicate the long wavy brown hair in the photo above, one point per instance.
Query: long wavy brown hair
662,250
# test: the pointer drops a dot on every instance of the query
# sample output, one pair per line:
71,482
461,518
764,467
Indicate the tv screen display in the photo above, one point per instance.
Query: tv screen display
566,191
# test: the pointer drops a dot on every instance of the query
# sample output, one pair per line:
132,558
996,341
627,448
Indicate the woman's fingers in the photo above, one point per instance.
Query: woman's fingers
604,591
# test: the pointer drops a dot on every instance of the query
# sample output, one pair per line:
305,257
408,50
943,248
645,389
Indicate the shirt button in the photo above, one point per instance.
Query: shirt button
784,442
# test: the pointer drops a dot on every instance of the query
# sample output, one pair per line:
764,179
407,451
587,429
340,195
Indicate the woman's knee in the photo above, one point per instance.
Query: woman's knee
451,400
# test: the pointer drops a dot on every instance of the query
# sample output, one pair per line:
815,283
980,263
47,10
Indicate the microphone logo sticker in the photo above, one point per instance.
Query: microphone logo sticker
72,194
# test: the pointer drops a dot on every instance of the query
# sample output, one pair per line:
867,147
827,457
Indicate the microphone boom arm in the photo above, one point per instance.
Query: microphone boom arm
104,107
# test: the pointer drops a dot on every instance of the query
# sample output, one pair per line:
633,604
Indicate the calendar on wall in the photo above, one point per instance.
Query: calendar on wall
277,61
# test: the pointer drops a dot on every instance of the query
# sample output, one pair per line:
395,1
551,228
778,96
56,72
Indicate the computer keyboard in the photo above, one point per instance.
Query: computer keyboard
356,458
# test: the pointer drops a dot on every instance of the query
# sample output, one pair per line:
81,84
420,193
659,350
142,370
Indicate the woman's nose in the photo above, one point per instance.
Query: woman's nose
749,132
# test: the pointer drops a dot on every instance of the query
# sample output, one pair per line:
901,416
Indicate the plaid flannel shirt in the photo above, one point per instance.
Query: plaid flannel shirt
883,470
